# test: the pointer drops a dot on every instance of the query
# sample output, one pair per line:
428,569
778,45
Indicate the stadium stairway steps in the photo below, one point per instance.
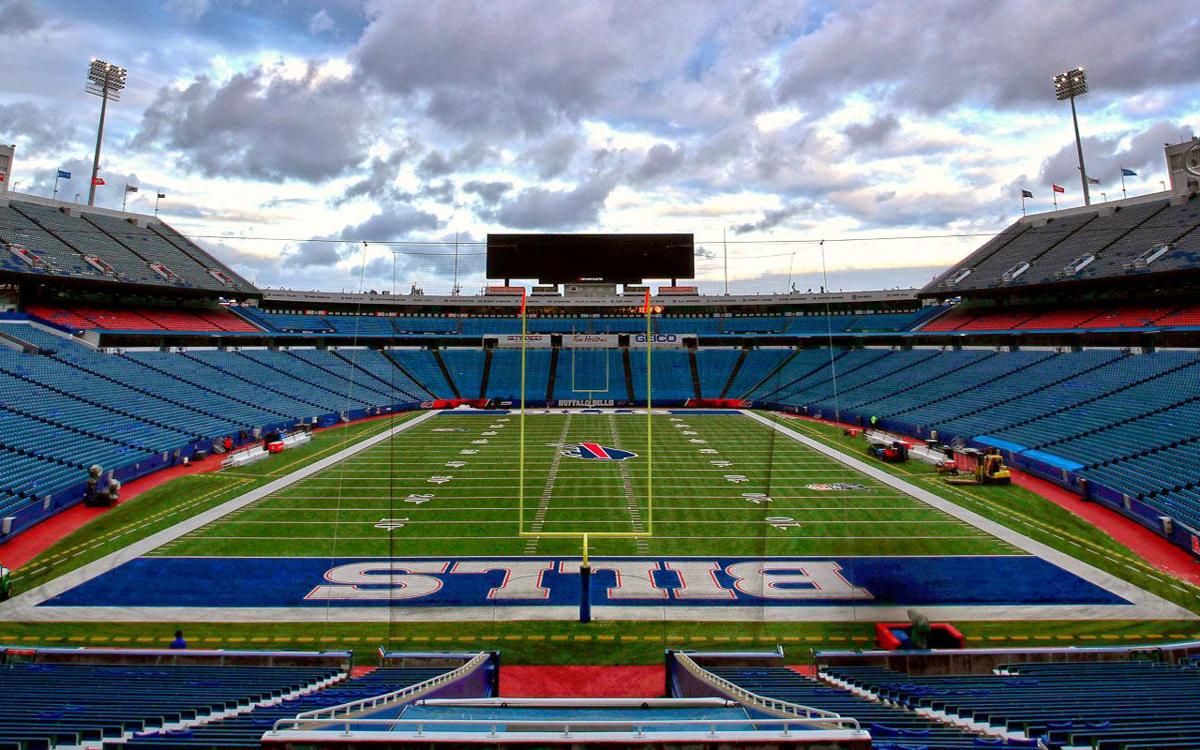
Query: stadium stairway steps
203,387
774,371
957,372
774,394
1024,394
1146,452
101,405
892,727
1095,397
71,428
977,383
396,363
553,375
1119,423
832,373
733,373
487,371
393,389
847,393
441,363
337,376
145,392
294,376
255,383
695,370
629,374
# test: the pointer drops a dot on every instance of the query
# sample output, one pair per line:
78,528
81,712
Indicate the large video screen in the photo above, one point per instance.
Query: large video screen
613,258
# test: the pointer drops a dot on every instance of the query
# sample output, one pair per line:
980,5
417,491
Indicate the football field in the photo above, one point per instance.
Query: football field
681,514
718,485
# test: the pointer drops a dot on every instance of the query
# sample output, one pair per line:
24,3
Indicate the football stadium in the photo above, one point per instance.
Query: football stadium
602,499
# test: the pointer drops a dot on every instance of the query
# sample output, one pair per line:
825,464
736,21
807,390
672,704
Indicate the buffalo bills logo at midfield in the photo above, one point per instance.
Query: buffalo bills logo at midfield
597,452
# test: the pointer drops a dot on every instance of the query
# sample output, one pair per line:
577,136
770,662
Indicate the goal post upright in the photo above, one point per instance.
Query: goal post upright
521,420
649,425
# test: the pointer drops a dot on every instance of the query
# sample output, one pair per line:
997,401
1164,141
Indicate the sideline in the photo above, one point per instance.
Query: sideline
1148,605
22,606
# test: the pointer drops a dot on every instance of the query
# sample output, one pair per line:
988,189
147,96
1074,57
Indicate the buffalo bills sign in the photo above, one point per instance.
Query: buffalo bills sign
597,452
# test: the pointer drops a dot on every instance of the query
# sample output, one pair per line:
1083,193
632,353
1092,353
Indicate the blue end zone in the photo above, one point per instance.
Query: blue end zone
261,582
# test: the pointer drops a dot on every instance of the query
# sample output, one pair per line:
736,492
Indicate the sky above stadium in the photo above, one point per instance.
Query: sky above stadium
286,133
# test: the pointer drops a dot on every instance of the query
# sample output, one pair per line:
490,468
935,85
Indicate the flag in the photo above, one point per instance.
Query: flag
98,181
63,174
131,188
162,195
2,176
1128,172
1026,194
1093,181
1057,188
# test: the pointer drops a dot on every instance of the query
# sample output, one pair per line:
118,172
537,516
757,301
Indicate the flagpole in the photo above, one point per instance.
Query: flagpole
1022,204
1123,193
55,195
125,200
1054,195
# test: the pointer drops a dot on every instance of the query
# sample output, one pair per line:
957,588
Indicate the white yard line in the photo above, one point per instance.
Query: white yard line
631,503
539,517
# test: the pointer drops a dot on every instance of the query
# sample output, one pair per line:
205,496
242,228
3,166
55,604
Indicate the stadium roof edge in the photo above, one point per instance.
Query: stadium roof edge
290,296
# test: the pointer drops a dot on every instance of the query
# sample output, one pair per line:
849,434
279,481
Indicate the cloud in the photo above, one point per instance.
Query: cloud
19,17
1104,156
774,217
661,161
37,130
188,10
518,67
309,254
930,55
552,157
439,164
321,22
489,192
394,222
539,208
262,124
871,133
380,181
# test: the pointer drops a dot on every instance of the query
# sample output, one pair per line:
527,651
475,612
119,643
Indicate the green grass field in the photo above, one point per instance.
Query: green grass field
336,512
451,486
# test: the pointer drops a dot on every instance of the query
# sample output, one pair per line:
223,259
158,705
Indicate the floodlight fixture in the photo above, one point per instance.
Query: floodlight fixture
105,80
1067,86
1070,84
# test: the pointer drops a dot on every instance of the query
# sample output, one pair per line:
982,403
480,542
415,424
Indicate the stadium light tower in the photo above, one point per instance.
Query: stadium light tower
1069,85
106,81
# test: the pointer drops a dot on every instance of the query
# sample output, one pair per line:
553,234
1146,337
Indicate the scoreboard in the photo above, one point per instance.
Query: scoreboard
607,258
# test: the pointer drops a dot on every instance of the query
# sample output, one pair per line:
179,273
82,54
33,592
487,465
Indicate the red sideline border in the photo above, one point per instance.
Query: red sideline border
37,539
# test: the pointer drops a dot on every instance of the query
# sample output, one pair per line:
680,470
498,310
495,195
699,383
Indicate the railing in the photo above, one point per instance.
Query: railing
814,716
403,695
562,728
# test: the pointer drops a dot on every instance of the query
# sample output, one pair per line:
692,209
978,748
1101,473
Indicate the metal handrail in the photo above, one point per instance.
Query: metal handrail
808,713
331,713
563,727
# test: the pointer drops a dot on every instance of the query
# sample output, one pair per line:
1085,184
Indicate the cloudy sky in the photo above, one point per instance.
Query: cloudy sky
286,133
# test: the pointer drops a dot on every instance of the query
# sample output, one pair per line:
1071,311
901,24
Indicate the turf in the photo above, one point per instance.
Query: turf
474,503
602,642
